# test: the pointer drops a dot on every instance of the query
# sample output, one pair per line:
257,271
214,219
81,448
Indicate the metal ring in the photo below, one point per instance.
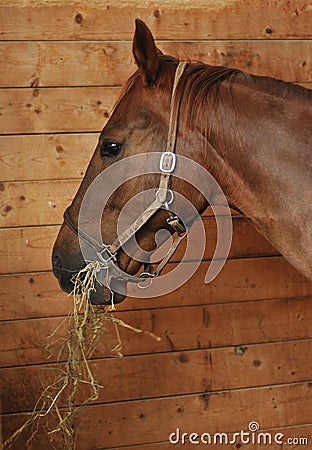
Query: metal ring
146,275
166,202
142,286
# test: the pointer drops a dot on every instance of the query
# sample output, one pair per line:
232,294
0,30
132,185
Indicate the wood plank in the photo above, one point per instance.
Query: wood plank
181,373
275,59
227,410
56,110
31,295
113,425
39,295
49,199
45,157
35,203
29,249
26,249
275,276
66,63
188,328
1,440
257,19
44,64
42,110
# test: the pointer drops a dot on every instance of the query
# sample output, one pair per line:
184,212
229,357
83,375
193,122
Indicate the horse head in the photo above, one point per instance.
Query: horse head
137,126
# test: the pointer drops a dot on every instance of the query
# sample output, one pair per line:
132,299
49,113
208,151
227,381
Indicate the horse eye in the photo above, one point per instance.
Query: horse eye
110,148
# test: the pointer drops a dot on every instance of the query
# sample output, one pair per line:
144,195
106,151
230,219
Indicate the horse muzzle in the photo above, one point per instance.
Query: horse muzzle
101,295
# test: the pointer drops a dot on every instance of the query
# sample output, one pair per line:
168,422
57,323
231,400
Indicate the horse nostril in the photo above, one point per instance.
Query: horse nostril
56,262
62,273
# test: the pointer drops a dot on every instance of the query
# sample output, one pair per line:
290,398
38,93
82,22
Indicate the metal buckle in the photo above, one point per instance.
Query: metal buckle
111,256
176,223
167,162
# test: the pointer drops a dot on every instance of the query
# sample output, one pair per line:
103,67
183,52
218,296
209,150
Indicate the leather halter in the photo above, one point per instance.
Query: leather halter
163,198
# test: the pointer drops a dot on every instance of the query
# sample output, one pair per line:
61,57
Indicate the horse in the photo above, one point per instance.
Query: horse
253,134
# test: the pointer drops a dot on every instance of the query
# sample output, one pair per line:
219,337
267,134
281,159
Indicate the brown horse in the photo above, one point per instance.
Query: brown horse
253,134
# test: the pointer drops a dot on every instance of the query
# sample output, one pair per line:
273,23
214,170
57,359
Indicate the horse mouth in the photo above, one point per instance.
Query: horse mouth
104,296
101,295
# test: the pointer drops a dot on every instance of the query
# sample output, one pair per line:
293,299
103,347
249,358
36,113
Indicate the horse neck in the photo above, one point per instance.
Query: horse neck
256,144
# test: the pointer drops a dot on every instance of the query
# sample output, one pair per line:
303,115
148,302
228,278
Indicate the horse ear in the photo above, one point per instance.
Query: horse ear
145,53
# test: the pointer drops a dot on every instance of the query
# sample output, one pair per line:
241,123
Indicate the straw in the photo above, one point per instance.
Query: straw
57,407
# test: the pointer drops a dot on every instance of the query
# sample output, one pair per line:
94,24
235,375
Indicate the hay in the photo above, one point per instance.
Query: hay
58,406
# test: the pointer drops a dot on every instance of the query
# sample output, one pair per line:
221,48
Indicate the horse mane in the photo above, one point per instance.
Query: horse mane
194,90
198,80
199,92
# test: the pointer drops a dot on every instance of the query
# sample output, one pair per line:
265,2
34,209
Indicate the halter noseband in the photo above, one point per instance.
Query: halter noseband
163,198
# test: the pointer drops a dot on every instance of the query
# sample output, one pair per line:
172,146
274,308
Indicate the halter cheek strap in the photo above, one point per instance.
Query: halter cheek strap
166,166
163,198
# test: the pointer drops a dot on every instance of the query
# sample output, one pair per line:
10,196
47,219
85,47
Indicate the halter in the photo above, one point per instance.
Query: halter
107,254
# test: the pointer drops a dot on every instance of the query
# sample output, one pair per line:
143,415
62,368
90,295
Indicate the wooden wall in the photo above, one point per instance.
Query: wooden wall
234,351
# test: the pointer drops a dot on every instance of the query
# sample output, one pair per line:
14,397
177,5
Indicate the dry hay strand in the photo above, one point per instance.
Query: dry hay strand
75,385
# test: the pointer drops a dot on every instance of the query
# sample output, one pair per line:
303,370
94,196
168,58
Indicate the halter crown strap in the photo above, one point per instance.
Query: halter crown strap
167,163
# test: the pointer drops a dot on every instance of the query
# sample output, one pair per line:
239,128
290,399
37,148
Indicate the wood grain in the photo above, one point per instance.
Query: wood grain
102,426
134,377
48,64
29,249
257,19
49,199
51,110
225,411
181,328
38,295
45,157
19,200
248,279
26,249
